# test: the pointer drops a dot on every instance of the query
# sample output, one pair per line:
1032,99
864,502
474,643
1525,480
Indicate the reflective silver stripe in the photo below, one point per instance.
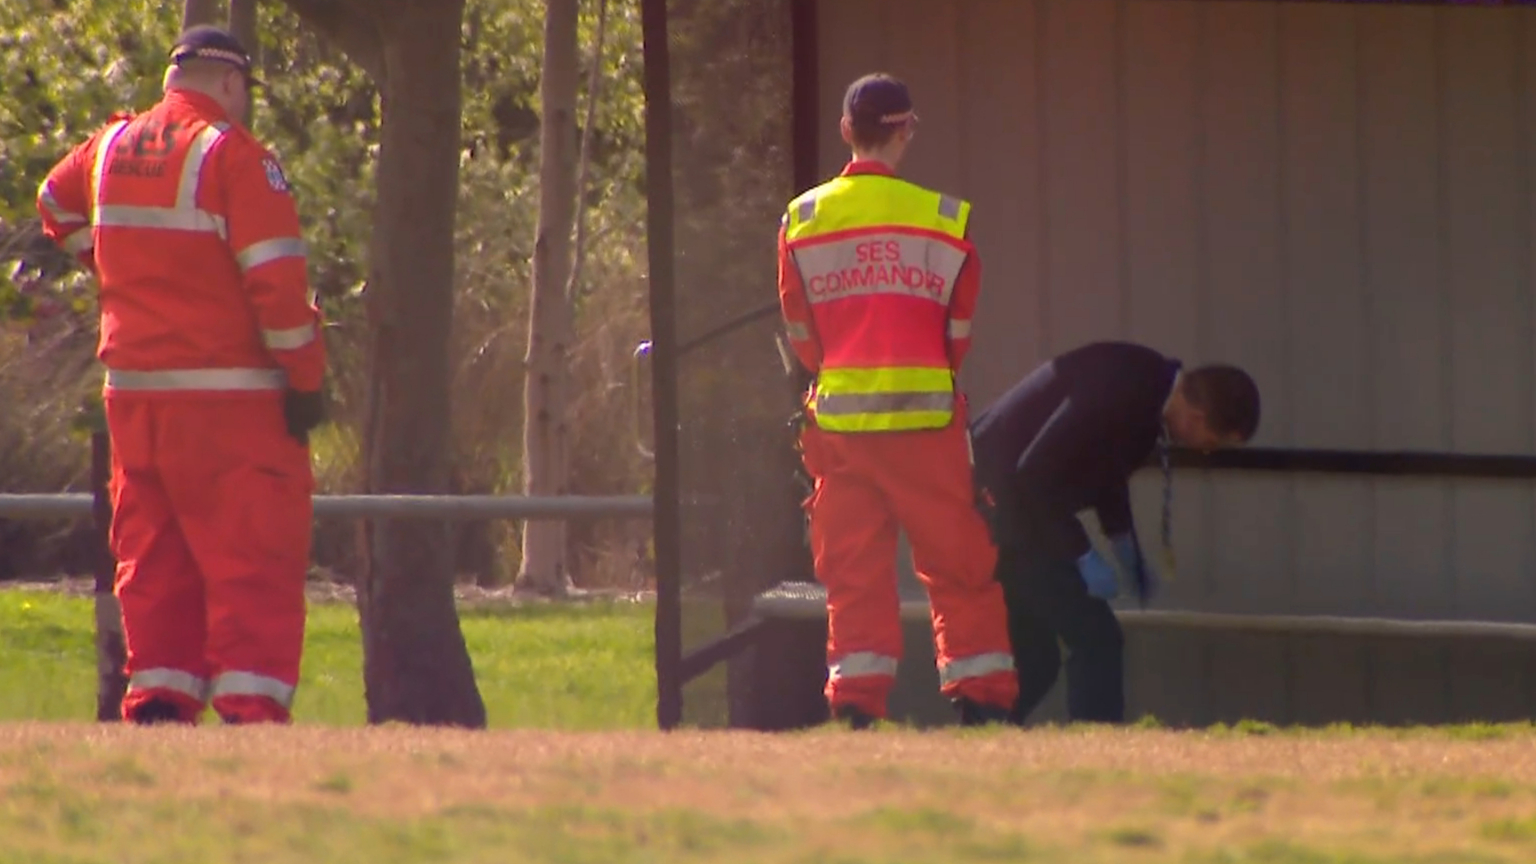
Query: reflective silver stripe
835,404
169,679
949,207
55,210
78,242
251,684
197,379
860,664
184,216
879,263
807,210
797,331
960,328
287,340
170,218
192,168
98,167
266,251
975,667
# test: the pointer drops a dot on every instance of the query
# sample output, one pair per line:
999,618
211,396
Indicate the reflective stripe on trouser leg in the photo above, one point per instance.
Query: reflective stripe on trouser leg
862,664
929,484
977,666
181,682
853,544
252,684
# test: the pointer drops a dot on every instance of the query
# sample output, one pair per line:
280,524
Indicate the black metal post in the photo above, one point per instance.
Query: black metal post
667,518
111,653
805,95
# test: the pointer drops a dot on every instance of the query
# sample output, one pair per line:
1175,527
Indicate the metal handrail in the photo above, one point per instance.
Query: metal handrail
803,601
77,505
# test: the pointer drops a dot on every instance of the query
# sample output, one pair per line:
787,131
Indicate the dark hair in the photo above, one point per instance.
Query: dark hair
872,135
1227,396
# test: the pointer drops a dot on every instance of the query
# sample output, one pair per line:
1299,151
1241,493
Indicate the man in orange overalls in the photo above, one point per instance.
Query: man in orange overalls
214,363
878,282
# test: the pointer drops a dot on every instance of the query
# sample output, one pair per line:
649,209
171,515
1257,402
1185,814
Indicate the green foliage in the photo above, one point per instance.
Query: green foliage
70,65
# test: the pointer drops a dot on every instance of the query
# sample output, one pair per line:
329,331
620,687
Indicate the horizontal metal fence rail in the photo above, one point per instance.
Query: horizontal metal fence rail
96,507
77,505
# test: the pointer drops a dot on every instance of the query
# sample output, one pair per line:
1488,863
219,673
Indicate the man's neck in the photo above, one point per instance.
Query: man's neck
1174,400
876,156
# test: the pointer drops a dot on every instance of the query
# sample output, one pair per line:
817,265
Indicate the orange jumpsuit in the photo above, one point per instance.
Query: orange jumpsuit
878,283
206,319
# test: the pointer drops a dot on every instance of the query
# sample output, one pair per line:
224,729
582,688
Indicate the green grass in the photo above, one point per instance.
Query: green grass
73,792
577,666
331,789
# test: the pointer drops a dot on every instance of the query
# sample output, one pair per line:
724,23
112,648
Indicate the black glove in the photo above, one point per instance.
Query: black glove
303,410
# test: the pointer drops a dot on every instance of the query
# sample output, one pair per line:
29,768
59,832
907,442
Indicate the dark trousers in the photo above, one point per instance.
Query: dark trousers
1048,601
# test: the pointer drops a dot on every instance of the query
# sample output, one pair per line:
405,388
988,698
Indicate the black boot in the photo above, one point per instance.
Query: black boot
856,719
154,712
976,714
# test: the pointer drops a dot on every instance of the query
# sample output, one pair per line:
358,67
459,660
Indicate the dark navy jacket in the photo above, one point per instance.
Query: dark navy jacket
1066,438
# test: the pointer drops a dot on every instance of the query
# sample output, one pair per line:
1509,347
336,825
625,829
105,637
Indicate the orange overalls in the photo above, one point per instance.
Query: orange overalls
878,283
206,318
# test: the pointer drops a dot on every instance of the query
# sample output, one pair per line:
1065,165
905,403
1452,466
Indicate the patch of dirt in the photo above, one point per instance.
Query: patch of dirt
823,766
1174,790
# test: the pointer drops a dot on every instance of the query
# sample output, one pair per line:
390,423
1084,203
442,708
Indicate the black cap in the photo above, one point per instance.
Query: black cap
207,42
878,99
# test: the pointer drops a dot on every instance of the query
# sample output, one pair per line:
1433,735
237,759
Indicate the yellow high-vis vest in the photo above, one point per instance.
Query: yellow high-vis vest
878,257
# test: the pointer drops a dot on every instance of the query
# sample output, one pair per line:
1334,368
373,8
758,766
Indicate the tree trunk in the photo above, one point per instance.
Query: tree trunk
111,650
550,325
242,25
416,667
584,158
197,12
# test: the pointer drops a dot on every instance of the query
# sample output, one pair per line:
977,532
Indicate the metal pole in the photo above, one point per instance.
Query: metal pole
111,652
667,517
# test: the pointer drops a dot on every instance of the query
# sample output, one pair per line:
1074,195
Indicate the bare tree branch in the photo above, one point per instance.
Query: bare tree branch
353,26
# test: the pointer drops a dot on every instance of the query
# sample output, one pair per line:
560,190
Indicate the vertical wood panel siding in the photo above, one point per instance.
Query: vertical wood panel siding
1336,197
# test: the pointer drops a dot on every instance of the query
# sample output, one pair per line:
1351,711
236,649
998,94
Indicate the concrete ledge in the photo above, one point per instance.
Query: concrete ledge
808,600
1190,669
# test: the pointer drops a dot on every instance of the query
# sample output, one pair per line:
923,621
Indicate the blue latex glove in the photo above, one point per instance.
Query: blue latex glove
1099,575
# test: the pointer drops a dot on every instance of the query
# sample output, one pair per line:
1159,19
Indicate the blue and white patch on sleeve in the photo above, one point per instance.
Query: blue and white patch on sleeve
275,177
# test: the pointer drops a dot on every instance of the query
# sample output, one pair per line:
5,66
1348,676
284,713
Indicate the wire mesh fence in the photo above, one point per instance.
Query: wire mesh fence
732,173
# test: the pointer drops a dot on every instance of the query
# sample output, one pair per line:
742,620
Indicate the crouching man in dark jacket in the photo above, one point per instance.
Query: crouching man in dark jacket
1066,439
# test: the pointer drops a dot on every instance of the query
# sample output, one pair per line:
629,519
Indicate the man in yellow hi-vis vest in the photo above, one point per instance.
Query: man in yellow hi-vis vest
878,282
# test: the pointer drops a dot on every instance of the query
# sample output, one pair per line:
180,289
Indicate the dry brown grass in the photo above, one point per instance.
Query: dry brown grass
1051,794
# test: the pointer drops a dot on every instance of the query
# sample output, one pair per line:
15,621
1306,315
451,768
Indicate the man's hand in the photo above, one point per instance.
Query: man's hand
303,410
1100,576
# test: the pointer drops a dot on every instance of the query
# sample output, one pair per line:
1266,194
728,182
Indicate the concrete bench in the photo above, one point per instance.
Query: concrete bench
1188,668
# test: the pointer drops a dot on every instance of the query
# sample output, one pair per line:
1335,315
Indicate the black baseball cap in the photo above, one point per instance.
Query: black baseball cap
207,42
876,100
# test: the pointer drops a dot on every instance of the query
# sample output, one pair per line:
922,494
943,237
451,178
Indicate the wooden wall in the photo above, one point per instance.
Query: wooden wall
1338,197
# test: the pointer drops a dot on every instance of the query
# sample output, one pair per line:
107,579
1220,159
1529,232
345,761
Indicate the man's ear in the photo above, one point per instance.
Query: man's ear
846,127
